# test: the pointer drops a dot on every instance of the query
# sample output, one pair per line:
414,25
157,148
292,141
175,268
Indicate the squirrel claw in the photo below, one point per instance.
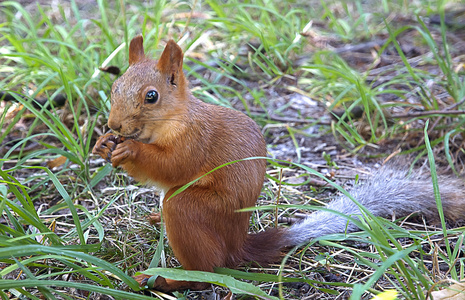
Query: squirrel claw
108,159
146,280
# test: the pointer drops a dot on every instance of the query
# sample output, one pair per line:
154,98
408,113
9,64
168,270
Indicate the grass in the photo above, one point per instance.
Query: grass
77,230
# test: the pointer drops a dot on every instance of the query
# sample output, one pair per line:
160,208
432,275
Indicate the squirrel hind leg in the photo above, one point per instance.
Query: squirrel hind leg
198,228
195,249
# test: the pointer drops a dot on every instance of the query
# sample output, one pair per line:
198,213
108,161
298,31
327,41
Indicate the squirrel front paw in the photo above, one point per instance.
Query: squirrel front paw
106,144
123,152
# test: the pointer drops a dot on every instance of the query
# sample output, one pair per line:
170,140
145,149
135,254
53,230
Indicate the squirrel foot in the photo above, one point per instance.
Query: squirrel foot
169,285
154,218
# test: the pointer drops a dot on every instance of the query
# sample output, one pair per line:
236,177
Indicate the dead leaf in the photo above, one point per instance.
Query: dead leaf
56,162
453,292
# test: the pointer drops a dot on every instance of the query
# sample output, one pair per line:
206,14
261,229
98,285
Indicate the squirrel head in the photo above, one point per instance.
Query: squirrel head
149,99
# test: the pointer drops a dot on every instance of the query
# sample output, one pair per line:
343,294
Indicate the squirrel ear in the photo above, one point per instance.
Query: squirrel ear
136,49
170,62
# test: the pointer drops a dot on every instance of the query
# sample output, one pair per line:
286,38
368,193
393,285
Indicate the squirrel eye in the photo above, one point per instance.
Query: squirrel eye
151,96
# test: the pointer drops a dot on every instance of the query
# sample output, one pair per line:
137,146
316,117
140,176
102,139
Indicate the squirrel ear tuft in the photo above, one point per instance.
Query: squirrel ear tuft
170,62
136,49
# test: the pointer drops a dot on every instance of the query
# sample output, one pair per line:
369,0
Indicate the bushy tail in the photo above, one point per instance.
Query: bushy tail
390,192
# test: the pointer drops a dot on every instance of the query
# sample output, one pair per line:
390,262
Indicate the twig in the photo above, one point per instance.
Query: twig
391,156
189,18
455,104
362,46
429,113
277,197
292,120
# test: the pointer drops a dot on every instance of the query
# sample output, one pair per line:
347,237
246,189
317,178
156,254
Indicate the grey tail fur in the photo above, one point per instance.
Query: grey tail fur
390,192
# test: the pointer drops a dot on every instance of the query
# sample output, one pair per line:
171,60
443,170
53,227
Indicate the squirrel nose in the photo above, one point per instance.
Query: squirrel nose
114,125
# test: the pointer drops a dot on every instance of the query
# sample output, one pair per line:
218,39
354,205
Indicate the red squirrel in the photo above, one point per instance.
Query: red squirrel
163,136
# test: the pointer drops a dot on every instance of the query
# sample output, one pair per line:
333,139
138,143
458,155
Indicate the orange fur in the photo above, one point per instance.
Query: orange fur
176,140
